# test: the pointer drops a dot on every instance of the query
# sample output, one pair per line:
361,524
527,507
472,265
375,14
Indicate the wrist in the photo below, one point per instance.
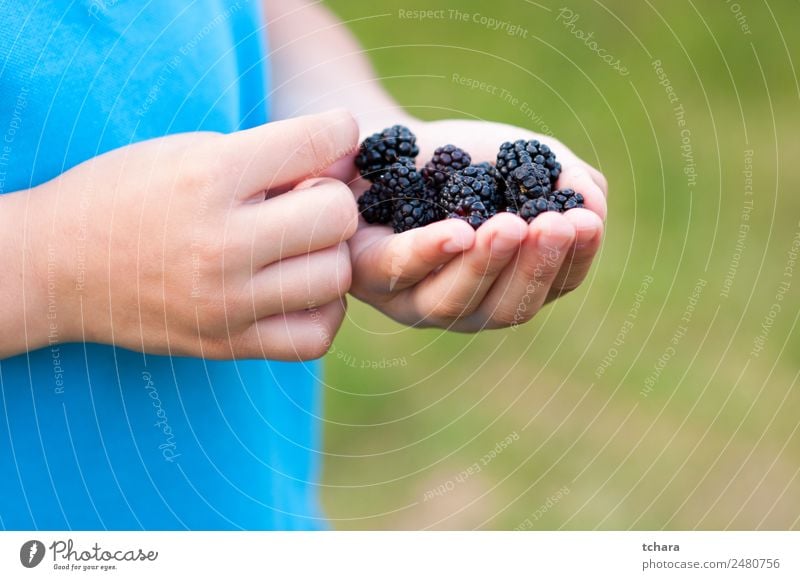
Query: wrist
52,311
22,300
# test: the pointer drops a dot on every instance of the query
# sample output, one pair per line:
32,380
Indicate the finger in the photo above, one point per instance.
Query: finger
344,169
283,153
577,177
588,235
302,335
597,177
459,287
297,283
523,287
390,263
569,159
301,221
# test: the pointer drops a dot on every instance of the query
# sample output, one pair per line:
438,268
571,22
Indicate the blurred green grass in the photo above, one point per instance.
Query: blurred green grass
715,445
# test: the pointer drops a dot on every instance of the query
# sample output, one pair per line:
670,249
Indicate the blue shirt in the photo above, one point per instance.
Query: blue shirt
98,437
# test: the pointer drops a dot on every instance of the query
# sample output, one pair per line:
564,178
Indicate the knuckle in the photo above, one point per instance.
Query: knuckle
211,310
343,208
545,268
567,286
486,267
509,316
548,270
334,206
448,308
317,149
335,277
214,248
207,257
199,173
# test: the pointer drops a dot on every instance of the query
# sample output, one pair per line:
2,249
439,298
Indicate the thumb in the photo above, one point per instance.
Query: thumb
281,154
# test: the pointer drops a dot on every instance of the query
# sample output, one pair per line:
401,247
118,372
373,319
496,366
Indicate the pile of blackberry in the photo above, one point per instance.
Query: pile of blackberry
521,182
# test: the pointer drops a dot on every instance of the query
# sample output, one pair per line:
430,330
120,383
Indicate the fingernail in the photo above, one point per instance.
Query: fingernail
501,244
584,221
587,238
588,227
557,235
451,247
458,243
588,242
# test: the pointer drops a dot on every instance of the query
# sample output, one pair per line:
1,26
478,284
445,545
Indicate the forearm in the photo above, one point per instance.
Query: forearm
28,310
317,65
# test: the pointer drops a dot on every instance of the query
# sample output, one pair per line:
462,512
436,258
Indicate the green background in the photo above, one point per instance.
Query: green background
715,445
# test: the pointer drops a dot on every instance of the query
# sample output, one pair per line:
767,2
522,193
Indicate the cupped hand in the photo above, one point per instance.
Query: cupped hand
448,275
205,244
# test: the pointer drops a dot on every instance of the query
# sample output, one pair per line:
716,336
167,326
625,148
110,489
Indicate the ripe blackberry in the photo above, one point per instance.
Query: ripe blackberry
377,152
374,206
402,179
560,201
399,180
490,169
472,209
446,160
522,182
533,207
565,199
474,181
526,182
513,155
414,212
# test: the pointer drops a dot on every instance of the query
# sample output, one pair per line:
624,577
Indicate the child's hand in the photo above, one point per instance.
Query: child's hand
169,246
450,276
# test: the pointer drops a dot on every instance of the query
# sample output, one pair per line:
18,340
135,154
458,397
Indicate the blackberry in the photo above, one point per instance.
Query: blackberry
533,207
414,212
377,152
402,179
373,205
474,181
495,174
399,180
560,201
526,182
472,209
565,199
490,169
513,155
522,182
446,160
